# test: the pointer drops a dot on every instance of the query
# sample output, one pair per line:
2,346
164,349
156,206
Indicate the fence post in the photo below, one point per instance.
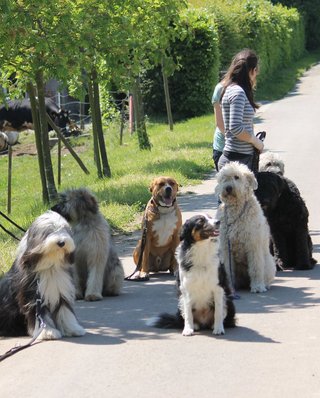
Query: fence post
9,178
131,114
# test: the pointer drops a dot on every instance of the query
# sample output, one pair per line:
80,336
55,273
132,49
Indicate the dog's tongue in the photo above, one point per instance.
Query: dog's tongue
167,201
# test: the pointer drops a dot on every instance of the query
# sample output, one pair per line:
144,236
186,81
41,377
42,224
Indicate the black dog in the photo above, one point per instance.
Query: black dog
287,215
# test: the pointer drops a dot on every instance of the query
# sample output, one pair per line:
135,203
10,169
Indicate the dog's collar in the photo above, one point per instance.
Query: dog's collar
166,207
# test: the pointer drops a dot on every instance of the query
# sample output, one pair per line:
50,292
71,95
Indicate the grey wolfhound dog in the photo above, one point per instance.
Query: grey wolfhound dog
244,230
98,269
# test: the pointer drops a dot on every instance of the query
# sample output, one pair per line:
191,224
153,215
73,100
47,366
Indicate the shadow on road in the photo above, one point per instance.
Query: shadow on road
116,320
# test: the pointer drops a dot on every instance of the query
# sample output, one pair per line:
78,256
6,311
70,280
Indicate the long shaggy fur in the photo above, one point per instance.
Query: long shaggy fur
271,162
244,231
98,269
202,283
287,215
43,262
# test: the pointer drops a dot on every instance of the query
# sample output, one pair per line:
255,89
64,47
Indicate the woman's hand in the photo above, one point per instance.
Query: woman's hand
258,144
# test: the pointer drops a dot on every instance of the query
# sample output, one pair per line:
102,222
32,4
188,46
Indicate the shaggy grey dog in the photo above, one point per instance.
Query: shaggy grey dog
271,162
244,231
98,270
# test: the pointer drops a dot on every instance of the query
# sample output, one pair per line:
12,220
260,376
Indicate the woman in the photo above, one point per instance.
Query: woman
238,108
218,141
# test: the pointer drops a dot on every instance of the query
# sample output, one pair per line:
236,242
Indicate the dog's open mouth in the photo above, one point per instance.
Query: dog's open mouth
166,201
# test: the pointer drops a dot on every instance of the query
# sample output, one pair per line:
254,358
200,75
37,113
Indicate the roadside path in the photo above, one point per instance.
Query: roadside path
274,351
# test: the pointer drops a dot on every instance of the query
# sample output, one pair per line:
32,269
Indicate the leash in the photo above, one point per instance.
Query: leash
256,154
143,245
233,294
39,313
12,222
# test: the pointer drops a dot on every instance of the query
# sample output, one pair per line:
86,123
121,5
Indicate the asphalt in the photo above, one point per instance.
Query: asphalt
273,352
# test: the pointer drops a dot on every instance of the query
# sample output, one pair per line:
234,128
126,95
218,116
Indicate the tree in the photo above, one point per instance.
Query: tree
32,47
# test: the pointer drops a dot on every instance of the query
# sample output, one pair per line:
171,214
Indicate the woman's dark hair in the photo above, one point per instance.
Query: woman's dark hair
238,72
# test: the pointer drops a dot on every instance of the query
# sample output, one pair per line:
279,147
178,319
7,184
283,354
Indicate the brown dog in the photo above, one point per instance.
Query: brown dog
162,220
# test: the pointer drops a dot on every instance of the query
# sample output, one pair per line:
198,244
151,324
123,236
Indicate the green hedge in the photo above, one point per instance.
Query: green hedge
197,53
275,32
211,37
310,10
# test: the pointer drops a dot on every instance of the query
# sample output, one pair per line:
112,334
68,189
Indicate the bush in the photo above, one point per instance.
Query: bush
211,36
273,31
190,86
310,9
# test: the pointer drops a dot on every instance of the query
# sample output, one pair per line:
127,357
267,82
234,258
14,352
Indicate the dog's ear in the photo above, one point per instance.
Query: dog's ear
184,230
151,186
217,189
252,180
282,184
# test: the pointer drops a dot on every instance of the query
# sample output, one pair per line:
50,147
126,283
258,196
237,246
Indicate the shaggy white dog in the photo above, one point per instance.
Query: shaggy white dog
271,162
244,231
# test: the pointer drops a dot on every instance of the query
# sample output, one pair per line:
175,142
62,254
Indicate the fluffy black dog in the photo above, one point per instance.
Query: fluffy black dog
287,215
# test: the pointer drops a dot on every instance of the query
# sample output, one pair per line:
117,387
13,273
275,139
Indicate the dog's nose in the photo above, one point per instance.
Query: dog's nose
61,243
168,191
229,189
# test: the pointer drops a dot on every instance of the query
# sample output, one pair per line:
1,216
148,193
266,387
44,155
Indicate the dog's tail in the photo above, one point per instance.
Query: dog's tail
167,321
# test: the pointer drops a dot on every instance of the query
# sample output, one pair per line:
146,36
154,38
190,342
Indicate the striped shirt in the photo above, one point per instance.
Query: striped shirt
238,117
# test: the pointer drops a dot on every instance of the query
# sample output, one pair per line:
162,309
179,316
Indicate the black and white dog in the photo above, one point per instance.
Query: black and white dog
41,271
202,282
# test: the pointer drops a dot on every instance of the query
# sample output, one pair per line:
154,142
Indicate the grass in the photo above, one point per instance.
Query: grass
185,154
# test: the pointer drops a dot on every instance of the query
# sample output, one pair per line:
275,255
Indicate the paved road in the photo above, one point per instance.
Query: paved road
274,351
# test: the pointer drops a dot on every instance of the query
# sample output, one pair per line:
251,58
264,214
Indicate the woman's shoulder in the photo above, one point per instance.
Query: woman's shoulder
235,91
235,88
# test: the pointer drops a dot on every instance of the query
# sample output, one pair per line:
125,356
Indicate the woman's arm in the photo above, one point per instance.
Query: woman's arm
237,105
245,136
219,117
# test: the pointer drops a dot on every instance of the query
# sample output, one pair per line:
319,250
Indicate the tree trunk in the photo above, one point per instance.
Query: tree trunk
52,192
167,97
94,130
37,133
141,129
97,109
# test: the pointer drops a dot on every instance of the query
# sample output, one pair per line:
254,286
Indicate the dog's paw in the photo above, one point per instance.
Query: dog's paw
93,297
187,331
49,334
218,330
258,288
78,331
79,294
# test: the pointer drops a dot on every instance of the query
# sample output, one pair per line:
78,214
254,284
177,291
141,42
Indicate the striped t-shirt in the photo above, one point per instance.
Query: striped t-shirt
238,117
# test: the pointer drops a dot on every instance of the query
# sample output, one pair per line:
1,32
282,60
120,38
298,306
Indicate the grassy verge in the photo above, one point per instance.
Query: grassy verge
185,154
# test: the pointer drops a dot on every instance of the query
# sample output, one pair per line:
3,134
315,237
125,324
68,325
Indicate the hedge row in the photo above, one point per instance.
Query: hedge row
197,55
310,10
211,38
